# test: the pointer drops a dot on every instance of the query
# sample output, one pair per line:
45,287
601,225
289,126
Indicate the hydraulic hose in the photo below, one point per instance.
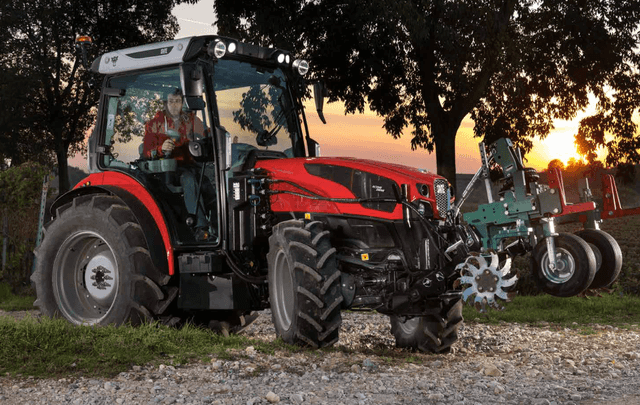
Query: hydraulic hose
238,271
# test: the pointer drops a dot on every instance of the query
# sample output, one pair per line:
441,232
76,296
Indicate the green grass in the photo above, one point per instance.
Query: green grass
53,348
10,302
610,309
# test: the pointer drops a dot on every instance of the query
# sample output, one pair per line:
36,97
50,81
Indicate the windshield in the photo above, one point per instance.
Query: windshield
255,107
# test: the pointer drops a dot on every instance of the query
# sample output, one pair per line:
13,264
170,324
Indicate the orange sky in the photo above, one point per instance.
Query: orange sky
362,136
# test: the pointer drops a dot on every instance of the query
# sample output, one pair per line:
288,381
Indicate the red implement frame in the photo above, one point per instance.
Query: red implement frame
611,200
555,181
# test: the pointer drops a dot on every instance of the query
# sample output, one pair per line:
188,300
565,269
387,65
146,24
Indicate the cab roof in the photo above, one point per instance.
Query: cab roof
167,53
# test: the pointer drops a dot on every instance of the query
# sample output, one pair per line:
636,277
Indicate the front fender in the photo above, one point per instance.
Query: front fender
143,205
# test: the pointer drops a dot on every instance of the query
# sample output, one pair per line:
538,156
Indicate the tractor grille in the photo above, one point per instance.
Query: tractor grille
441,189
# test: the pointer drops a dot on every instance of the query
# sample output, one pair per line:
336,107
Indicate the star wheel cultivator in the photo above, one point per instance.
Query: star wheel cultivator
486,280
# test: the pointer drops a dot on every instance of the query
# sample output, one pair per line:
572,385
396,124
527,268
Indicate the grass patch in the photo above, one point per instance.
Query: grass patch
610,309
10,302
52,348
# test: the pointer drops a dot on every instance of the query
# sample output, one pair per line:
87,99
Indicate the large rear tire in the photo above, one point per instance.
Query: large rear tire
429,333
304,284
608,256
576,266
93,266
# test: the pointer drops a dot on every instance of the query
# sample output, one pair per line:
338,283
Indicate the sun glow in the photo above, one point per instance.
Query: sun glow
560,145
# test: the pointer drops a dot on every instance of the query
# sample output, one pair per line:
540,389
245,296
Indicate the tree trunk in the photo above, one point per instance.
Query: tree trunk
445,143
63,169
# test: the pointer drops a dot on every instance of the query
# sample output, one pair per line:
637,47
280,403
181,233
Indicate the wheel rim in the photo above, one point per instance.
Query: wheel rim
565,266
409,326
85,278
284,294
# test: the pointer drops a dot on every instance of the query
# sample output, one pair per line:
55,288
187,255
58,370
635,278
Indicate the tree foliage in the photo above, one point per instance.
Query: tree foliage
513,66
47,105
20,195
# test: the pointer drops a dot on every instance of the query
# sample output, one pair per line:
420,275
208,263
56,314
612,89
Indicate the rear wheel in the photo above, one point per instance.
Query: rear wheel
93,266
304,284
608,256
429,333
575,266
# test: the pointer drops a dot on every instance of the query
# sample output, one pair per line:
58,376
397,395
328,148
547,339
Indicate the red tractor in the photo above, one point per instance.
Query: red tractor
208,200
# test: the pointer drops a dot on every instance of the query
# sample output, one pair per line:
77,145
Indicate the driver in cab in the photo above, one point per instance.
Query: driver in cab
167,135
169,132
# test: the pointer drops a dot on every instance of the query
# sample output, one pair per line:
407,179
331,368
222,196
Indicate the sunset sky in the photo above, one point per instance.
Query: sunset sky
362,135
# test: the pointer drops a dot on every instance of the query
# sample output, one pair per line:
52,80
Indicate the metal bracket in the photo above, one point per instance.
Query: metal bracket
485,171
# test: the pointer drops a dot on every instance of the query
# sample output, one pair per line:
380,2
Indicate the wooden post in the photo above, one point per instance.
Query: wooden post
43,203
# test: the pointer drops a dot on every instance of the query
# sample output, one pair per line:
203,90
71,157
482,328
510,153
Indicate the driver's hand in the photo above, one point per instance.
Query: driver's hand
167,146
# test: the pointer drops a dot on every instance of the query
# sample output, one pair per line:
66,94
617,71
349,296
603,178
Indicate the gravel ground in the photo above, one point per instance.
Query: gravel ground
505,364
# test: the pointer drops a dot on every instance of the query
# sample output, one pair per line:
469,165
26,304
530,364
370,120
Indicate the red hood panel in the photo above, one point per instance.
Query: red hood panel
294,170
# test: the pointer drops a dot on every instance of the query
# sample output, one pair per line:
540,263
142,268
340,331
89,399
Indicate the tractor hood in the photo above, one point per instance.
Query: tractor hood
350,178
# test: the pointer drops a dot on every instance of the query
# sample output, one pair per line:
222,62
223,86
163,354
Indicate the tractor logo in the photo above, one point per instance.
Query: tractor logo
378,189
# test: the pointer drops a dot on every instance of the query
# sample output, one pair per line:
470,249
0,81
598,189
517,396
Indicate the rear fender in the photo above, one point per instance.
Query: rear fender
144,207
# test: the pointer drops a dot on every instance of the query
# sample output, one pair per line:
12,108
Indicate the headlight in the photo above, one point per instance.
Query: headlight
423,189
220,49
232,47
302,66
281,58
423,208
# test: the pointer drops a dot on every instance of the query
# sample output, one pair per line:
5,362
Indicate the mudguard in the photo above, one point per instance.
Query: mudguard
144,207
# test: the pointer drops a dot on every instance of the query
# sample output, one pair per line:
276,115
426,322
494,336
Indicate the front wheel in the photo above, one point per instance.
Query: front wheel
608,256
93,266
575,266
429,333
304,284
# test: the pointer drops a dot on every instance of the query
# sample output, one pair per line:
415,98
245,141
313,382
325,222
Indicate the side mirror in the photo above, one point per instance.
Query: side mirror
192,81
319,93
314,148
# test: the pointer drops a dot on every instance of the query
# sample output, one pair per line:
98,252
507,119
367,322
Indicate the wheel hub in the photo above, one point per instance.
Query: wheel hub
564,269
99,276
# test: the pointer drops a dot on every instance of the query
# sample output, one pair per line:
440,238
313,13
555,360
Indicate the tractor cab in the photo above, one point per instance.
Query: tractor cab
182,116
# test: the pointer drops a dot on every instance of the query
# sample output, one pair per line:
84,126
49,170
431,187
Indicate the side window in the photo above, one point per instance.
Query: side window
144,96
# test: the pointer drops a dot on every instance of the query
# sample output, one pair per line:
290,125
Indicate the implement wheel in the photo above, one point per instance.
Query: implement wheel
575,266
608,256
429,333
304,284
93,266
